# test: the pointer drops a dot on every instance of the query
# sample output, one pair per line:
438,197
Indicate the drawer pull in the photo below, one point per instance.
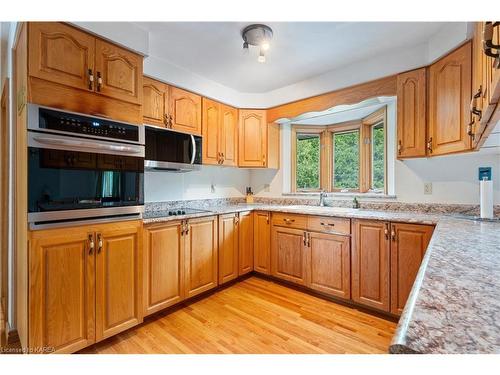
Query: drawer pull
288,221
328,224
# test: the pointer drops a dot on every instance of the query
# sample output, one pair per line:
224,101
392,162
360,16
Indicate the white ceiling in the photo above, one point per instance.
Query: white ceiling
299,50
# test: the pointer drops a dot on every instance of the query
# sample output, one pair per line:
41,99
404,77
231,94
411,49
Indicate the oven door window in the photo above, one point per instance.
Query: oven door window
68,180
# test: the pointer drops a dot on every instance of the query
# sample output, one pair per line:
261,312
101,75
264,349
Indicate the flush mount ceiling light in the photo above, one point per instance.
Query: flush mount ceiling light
257,35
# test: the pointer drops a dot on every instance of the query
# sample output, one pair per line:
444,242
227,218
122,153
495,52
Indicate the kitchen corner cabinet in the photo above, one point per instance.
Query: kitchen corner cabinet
449,101
84,284
155,102
228,247
163,265
200,255
408,245
246,240
258,141
220,133
76,71
262,242
411,113
371,263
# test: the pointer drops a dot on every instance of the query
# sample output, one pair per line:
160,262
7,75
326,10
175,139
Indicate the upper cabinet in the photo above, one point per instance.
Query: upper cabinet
73,70
185,111
411,92
118,72
155,102
220,132
258,141
449,99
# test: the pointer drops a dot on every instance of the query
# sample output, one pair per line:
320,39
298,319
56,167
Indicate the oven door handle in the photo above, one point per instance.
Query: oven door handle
91,146
193,142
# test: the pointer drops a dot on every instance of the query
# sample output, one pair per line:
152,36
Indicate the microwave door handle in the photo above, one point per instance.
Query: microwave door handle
93,146
194,149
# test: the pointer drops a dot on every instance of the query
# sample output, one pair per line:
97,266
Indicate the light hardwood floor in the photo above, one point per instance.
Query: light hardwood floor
256,316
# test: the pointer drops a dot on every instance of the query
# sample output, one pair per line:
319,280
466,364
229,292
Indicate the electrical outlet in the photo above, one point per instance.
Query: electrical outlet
212,188
428,188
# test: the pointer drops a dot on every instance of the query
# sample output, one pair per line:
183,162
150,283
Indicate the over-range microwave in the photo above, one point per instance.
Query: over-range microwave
171,150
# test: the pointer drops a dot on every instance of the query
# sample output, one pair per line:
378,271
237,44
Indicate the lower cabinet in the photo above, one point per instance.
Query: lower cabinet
289,254
85,284
163,265
246,248
262,242
330,270
228,247
200,255
408,245
371,263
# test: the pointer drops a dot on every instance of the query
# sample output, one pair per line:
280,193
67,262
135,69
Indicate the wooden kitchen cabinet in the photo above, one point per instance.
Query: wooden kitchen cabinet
289,254
330,264
200,255
119,285
258,141
163,266
228,247
408,245
185,109
76,71
62,54
262,242
155,101
370,267
449,101
246,241
220,133
411,108
62,289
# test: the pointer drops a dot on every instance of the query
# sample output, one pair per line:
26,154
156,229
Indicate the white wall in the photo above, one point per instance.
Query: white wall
166,186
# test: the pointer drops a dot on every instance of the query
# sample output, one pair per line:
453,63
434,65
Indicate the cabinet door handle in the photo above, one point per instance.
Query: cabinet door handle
488,44
99,81
263,159
165,120
91,80
386,231
304,239
236,220
99,243
429,145
393,234
473,103
400,147
470,127
91,243
308,239
267,218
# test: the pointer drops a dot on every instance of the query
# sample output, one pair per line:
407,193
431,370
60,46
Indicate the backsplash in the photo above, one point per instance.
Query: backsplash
430,208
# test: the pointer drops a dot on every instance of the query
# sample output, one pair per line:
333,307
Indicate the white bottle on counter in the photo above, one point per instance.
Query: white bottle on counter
486,198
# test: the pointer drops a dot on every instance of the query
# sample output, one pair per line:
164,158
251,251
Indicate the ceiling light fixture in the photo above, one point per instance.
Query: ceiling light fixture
257,35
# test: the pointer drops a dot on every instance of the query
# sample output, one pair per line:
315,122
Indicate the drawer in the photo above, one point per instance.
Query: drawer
329,224
289,220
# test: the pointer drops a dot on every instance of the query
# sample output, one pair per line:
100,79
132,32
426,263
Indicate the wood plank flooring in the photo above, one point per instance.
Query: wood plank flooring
255,316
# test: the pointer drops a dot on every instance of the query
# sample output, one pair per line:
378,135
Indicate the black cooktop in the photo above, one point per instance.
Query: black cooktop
174,212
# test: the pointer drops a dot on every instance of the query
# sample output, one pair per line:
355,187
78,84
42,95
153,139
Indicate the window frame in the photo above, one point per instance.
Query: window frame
326,133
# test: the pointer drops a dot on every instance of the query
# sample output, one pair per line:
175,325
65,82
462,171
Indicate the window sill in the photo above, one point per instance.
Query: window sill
343,195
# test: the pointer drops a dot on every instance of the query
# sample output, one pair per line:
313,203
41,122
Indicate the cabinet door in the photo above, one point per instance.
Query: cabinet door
62,289
370,263
229,135
409,243
154,102
411,91
118,72
289,255
252,138
163,266
228,247
262,242
245,255
201,255
119,284
449,102
330,264
61,54
185,109
211,150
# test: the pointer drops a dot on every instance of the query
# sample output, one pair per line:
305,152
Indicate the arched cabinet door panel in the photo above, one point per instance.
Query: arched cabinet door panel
253,138
185,109
154,102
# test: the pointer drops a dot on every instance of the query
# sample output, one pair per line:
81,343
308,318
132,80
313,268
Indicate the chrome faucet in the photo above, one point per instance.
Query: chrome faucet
322,197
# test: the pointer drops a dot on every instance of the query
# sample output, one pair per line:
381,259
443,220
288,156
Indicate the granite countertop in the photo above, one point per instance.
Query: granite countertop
454,305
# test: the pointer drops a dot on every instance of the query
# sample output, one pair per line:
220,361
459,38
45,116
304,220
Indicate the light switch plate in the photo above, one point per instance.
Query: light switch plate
428,188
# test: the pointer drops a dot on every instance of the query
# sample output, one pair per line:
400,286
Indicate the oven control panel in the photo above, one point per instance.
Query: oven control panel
79,124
